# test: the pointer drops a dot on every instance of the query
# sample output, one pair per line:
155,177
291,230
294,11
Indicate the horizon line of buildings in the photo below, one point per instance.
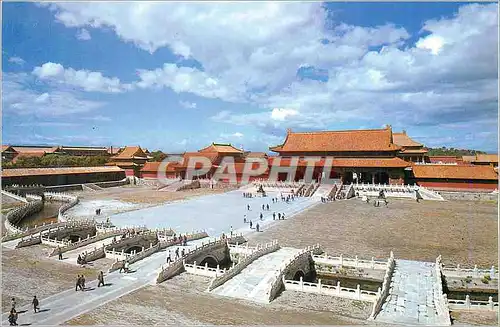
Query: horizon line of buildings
365,156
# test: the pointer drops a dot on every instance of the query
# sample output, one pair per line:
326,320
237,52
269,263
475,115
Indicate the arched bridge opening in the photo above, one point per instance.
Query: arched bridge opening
133,248
210,261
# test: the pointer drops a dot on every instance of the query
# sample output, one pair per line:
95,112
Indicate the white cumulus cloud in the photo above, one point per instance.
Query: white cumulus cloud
83,35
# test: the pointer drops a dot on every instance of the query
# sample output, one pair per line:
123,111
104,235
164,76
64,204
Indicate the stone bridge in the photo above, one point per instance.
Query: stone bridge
134,243
73,235
210,253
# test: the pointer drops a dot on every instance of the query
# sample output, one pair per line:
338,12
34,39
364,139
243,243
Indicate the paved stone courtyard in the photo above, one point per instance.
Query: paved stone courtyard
463,232
353,227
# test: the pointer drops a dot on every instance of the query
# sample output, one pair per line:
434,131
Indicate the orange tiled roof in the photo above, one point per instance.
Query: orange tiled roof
221,148
28,149
153,166
416,151
486,158
129,152
338,141
402,139
454,172
121,163
18,172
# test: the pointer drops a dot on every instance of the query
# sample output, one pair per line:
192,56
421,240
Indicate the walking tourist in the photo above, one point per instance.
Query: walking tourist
126,267
261,216
59,252
274,215
13,317
279,215
100,278
83,283
245,219
169,257
250,224
185,240
231,231
257,227
267,207
263,207
77,286
35,304
283,216
248,207
176,253
13,303
122,268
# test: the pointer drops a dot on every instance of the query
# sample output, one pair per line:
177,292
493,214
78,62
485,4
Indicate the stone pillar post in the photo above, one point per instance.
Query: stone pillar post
79,239
475,272
458,268
88,235
492,272
356,261
379,292
490,303
467,301
319,286
358,292
341,260
206,265
373,263
338,288
142,249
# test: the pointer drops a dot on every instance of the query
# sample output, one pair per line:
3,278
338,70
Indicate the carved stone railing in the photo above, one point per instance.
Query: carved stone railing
203,270
338,291
467,304
382,296
243,263
325,259
472,272
440,298
14,217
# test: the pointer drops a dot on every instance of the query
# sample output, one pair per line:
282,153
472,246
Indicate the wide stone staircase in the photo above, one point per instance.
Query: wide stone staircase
255,281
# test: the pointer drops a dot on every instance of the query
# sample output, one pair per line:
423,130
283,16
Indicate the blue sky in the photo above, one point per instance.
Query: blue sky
177,76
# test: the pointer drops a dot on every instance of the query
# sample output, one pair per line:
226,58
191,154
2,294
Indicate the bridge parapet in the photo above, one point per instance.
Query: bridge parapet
70,200
300,260
176,267
15,216
203,270
243,262
377,306
440,299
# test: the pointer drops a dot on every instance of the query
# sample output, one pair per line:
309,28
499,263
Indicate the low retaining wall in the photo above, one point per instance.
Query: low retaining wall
350,262
191,186
53,242
122,182
469,196
377,306
338,291
242,264
134,257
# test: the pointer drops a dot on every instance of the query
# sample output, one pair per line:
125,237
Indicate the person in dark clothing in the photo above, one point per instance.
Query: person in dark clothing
100,278
183,253
176,253
13,317
257,227
261,216
59,252
35,304
283,216
122,268
248,207
274,215
279,216
267,207
185,240
82,285
250,224
263,207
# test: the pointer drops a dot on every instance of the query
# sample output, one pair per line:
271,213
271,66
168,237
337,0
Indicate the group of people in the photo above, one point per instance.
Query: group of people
327,199
13,314
281,216
247,195
80,283
98,212
181,239
177,255
81,260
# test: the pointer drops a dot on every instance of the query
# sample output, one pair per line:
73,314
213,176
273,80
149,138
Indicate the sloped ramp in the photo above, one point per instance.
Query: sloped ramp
254,282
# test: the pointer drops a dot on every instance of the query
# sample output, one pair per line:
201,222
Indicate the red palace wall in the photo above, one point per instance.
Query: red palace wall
129,172
459,185
154,174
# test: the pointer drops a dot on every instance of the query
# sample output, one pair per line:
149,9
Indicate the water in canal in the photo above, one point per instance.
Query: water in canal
47,215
